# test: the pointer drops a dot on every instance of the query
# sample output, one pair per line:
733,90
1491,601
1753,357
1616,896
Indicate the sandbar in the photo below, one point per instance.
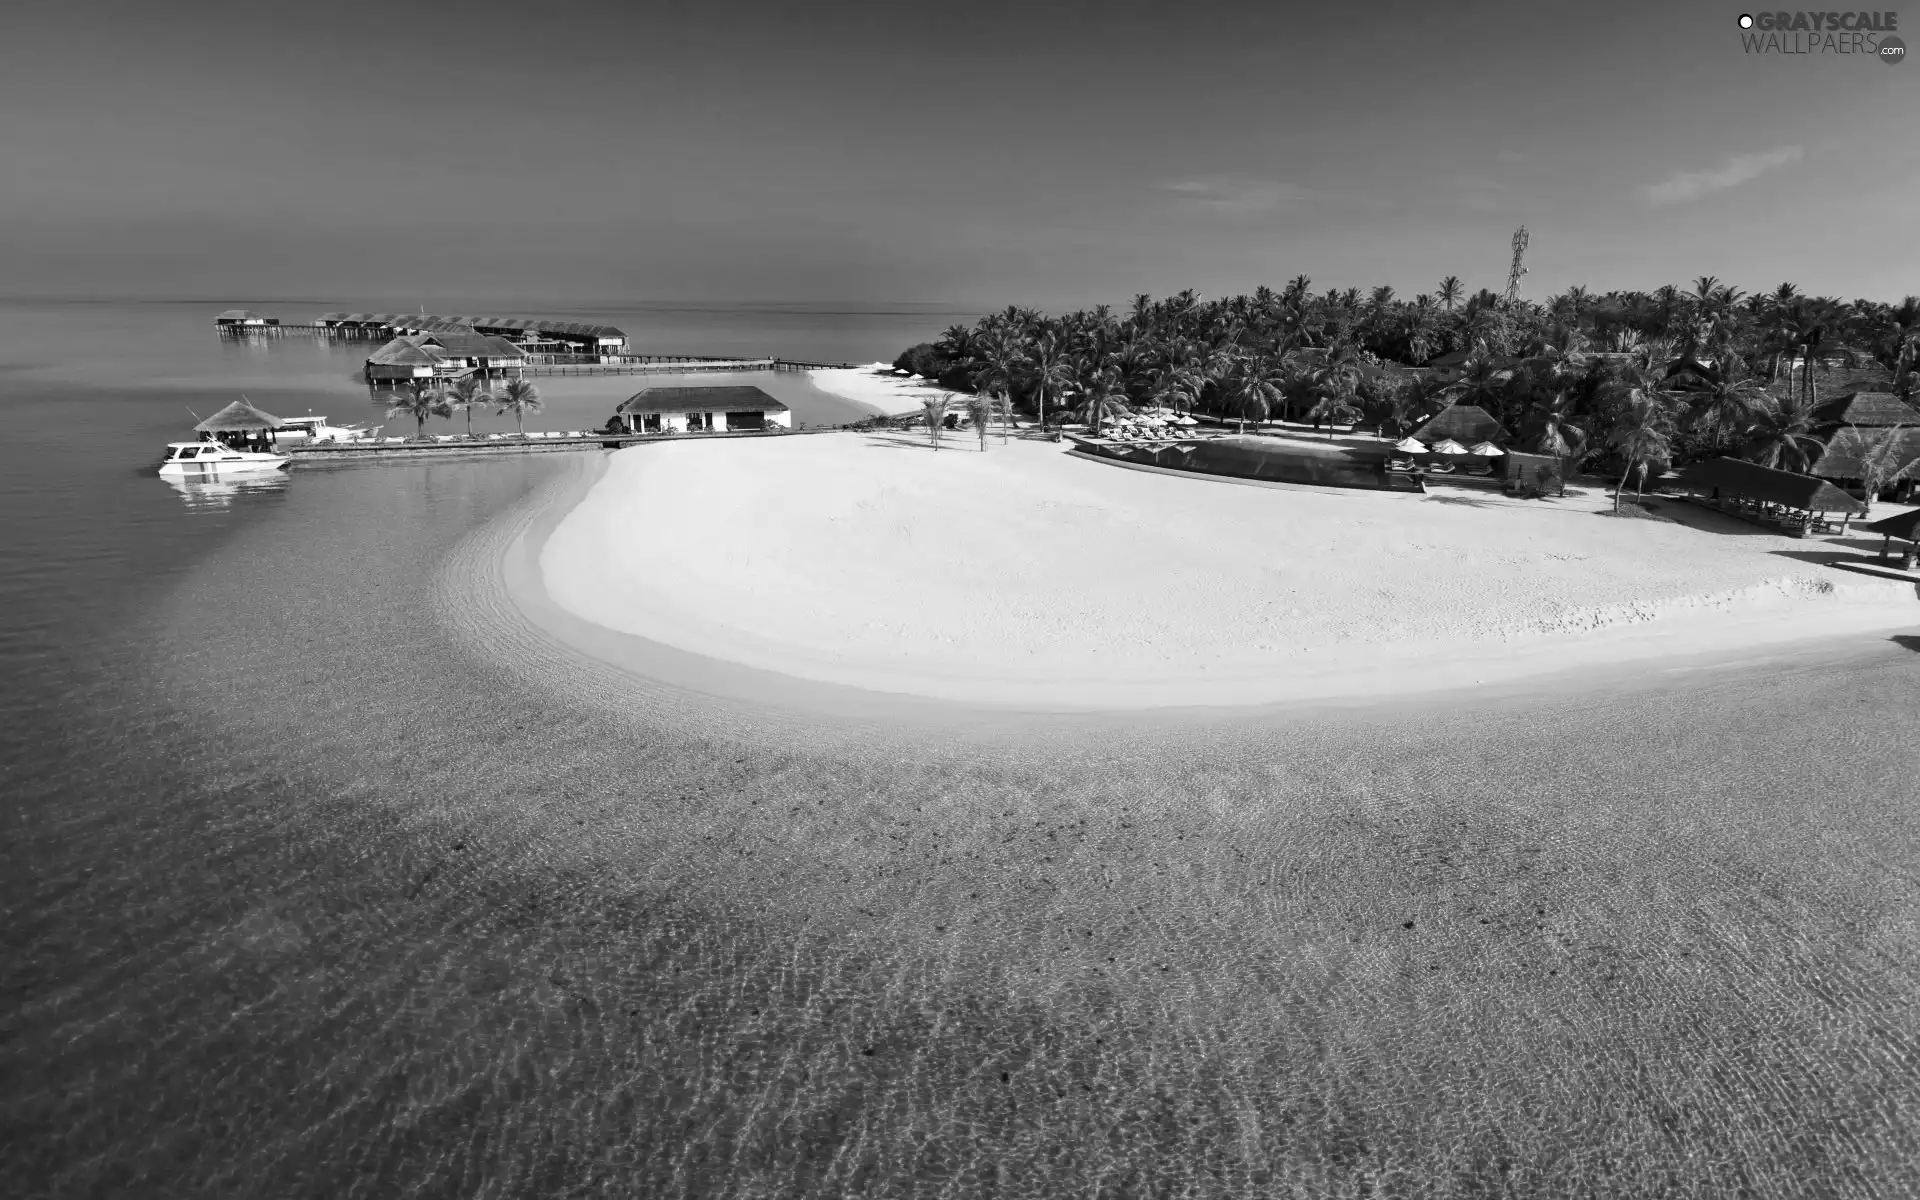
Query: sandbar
1028,578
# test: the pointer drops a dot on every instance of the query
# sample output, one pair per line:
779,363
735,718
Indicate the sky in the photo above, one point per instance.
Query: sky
977,154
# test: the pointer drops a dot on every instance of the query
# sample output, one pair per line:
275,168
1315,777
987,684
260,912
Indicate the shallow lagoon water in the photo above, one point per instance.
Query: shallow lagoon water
326,875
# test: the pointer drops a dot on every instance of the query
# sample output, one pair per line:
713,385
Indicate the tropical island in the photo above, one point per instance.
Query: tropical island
1018,572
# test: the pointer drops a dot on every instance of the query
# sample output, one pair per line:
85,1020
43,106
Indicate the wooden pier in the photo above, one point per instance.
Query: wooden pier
515,444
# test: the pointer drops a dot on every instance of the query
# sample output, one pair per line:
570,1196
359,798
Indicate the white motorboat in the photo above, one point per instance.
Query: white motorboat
211,459
311,429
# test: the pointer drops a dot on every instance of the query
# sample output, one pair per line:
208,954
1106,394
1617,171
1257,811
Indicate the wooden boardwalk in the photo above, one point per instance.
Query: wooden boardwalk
514,444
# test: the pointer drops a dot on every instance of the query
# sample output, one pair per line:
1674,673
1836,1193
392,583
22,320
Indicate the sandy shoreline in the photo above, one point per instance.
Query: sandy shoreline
1026,579
876,387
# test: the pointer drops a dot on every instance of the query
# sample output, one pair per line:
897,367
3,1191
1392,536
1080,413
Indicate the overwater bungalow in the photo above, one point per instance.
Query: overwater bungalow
701,410
1791,504
527,332
442,356
237,318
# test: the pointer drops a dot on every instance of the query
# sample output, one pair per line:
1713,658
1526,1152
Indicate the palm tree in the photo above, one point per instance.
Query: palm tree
980,408
1781,436
468,394
1450,291
519,397
1881,457
936,409
1001,363
1104,396
420,401
1642,433
1050,359
1255,388
1902,329
1723,402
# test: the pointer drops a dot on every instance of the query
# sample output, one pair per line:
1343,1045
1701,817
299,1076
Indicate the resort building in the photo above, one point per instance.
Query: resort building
243,317
443,356
701,410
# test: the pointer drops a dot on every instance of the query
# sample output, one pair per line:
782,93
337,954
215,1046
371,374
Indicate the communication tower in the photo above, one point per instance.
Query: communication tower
1517,270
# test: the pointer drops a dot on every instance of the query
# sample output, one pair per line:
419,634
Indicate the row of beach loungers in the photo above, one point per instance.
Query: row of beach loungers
1438,466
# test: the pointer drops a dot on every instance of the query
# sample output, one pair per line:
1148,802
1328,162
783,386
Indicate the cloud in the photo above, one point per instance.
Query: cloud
1235,195
1691,185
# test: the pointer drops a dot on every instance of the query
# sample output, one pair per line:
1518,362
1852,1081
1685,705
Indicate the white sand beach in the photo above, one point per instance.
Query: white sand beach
876,386
1024,576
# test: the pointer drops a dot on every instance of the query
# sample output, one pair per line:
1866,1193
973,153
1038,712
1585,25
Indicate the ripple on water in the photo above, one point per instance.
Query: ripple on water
494,920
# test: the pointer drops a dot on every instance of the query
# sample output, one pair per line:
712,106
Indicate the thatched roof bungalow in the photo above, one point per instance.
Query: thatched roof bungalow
442,355
239,317
1468,424
702,410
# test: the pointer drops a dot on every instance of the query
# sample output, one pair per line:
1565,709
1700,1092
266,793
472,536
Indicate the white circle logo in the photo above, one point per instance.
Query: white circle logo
1746,20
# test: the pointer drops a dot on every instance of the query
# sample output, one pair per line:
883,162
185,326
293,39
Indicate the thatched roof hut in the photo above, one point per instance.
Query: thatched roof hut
1465,423
1737,477
1869,410
1905,526
1848,449
240,316
239,417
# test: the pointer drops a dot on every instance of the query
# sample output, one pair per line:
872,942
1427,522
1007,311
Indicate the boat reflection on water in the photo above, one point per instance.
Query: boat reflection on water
213,493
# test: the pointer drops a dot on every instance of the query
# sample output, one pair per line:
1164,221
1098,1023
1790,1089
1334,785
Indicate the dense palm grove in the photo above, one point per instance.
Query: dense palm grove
1614,381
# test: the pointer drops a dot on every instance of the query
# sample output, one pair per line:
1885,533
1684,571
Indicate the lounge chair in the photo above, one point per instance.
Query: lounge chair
1440,468
1477,469
1402,464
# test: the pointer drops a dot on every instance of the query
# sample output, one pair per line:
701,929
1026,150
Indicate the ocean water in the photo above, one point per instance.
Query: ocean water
324,875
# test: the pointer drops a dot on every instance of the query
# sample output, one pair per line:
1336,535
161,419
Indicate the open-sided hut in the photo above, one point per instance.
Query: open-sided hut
240,423
702,410
1905,526
239,317
1781,498
1468,424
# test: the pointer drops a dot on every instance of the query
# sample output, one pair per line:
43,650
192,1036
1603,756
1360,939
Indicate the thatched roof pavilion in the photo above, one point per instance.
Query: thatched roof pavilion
1845,453
1869,410
239,417
1732,480
1468,424
1905,526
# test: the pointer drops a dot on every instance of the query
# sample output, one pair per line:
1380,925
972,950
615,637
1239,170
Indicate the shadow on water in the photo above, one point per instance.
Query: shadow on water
1907,640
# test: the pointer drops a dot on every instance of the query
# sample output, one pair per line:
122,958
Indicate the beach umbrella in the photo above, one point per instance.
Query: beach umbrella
1185,421
1448,446
1488,450
1409,446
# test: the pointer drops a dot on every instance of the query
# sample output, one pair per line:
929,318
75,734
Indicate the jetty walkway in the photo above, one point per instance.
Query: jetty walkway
509,443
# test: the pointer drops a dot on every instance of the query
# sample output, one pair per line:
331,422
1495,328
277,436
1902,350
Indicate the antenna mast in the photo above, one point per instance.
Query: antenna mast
1517,270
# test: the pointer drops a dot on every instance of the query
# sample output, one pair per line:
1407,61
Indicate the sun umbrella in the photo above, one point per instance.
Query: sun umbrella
1488,450
1448,446
1410,446
1185,421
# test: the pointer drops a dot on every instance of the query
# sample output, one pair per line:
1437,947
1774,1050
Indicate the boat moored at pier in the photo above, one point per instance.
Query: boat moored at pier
212,458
